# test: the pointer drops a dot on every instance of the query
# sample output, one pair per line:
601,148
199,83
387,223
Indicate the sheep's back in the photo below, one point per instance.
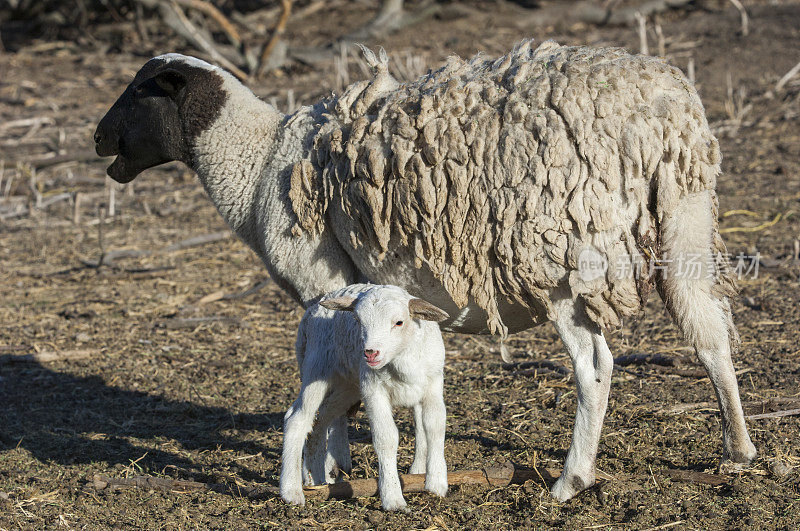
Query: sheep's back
496,175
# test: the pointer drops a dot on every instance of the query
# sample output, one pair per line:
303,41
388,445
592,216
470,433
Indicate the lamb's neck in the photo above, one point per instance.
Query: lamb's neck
231,156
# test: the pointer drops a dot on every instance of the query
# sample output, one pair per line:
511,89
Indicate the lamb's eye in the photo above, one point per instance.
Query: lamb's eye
399,323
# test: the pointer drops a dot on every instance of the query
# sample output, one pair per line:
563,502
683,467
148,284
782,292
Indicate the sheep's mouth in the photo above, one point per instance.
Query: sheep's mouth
374,363
122,171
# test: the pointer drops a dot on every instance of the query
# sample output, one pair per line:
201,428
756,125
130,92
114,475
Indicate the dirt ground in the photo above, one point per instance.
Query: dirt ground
168,382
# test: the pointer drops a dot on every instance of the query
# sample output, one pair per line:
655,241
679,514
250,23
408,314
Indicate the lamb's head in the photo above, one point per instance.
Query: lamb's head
389,318
172,99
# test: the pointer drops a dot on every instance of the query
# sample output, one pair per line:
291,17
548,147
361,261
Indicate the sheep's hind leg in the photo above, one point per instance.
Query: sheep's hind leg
703,315
593,363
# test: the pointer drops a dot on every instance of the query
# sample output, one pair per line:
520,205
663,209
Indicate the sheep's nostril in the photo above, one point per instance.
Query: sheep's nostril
97,138
370,354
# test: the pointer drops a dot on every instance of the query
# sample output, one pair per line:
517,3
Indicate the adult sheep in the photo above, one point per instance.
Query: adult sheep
482,187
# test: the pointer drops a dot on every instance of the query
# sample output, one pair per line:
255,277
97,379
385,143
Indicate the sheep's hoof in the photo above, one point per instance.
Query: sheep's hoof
568,486
742,455
293,496
726,466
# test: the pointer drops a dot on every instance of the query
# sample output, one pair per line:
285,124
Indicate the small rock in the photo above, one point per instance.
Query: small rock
82,337
376,517
780,469
601,496
4,496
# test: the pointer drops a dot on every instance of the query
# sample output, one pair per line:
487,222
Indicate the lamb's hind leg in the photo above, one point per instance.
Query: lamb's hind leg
327,451
593,363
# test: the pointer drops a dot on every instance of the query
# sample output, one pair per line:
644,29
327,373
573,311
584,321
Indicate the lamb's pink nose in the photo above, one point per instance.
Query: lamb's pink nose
371,355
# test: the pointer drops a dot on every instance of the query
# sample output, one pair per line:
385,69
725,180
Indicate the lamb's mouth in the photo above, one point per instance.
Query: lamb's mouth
374,363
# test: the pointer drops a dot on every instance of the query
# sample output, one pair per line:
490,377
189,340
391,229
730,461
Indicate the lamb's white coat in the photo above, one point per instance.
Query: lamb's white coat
245,160
407,371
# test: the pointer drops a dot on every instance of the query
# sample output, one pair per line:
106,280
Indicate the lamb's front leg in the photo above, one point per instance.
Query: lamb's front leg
420,443
385,440
593,363
434,419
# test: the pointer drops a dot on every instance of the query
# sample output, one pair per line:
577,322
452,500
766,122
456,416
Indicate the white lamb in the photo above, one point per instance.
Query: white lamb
386,349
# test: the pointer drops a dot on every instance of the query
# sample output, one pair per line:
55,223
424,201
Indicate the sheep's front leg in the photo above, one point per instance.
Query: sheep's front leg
592,362
420,443
385,440
434,419
297,424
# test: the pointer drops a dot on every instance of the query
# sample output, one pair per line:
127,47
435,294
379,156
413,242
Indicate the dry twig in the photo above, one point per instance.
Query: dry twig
266,58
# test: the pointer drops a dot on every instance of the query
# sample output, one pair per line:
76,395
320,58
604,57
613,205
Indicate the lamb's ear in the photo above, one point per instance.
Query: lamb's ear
170,81
420,309
346,304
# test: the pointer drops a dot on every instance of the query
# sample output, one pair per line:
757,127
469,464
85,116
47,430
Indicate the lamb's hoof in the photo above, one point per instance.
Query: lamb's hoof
417,468
437,487
395,505
568,486
293,496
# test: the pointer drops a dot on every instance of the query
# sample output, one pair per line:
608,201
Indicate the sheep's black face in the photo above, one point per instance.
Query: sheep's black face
155,119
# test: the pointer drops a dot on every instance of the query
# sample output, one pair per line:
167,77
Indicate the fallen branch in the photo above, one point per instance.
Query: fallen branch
47,356
642,359
212,12
194,322
196,241
175,18
774,414
757,228
501,476
690,476
538,366
266,58
789,75
86,155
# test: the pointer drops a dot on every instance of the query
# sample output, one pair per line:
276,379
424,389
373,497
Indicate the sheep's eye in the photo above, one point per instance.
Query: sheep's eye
399,323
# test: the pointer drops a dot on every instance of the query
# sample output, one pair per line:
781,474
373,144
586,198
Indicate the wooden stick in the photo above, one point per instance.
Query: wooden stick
743,13
641,359
690,476
212,12
100,482
642,29
280,27
47,356
501,476
549,366
774,414
175,18
789,75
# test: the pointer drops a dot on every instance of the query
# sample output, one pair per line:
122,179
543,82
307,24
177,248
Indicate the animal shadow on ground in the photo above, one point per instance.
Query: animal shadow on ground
73,420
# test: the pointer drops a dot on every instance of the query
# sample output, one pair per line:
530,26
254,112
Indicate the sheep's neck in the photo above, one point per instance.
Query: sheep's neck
231,156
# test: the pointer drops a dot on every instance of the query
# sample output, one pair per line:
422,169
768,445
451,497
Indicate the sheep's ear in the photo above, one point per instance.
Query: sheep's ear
170,81
346,304
420,309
